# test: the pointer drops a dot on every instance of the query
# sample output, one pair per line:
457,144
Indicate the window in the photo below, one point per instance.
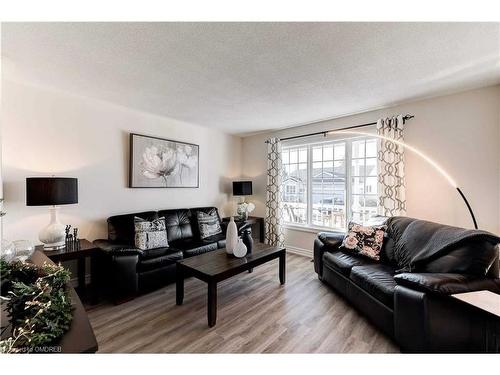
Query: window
364,179
294,196
326,184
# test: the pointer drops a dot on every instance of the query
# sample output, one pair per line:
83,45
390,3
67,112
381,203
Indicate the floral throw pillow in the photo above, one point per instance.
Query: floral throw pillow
364,240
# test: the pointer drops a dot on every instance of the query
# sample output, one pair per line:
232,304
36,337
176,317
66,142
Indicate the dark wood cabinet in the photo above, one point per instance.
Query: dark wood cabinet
256,223
85,249
486,310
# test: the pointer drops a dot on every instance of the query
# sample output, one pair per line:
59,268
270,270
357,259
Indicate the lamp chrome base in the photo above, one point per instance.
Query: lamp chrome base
52,247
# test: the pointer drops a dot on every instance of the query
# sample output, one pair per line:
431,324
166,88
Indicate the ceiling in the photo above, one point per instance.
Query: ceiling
248,77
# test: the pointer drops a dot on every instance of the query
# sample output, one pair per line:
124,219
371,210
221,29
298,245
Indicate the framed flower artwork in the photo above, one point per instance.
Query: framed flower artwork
162,163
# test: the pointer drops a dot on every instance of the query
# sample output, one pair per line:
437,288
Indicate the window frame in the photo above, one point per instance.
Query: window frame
365,176
309,226
297,164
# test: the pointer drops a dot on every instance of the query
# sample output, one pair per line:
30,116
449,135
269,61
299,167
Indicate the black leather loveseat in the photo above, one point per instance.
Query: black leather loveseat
128,270
407,293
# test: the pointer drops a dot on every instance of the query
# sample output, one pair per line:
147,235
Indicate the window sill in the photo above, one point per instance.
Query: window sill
311,229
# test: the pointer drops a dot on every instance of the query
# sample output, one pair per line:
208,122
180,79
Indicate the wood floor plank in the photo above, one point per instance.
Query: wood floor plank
255,315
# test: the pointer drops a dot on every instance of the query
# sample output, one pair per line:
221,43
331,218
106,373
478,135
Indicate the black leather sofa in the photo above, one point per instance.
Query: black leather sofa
128,271
413,306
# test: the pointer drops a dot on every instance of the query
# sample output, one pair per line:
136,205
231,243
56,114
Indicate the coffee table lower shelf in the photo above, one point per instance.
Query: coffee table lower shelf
217,266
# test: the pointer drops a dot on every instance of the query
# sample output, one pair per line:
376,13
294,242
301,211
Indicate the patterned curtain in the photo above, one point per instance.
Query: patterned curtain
391,167
274,212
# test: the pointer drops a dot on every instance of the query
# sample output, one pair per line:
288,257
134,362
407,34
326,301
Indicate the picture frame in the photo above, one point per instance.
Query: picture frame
156,162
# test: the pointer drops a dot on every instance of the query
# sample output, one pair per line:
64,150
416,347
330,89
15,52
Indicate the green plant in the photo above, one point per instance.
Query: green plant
37,303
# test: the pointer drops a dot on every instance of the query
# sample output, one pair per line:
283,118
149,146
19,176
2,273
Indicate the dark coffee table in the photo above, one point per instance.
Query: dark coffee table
216,266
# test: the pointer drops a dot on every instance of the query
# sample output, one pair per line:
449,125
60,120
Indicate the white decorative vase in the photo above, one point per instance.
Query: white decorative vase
240,250
231,236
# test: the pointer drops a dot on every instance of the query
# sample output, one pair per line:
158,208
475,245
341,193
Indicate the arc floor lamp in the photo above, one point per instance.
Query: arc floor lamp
423,156
348,130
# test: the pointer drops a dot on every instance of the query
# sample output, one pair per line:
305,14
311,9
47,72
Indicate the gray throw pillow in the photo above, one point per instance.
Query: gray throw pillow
150,234
208,225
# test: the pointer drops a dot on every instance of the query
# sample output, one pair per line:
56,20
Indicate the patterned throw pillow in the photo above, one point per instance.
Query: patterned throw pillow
208,225
150,234
364,240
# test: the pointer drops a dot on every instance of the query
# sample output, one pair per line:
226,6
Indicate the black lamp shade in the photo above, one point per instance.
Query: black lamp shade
51,191
242,187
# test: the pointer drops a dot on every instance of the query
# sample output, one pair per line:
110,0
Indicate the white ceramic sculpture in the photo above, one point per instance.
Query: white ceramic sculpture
231,236
240,250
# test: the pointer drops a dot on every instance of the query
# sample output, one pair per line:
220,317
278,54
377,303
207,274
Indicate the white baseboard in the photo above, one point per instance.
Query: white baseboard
299,251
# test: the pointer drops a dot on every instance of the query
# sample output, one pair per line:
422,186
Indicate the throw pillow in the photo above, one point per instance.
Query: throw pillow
150,234
208,225
364,240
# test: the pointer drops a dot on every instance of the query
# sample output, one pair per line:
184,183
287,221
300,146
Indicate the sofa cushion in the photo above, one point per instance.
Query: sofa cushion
192,247
121,227
200,250
164,260
343,262
387,254
419,242
153,253
178,223
377,280
473,258
220,239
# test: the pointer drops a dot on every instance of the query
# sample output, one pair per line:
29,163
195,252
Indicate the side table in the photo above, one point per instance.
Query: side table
488,304
79,253
252,221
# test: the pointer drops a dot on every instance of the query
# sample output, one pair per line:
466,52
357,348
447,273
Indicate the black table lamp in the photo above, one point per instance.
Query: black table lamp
242,189
52,191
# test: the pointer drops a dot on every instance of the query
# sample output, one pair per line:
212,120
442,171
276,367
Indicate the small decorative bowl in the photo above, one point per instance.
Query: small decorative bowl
7,251
24,249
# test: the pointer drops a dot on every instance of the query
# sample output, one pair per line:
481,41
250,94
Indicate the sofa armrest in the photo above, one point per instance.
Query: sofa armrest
331,239
447,283
427,322
122,274
117,248
326,241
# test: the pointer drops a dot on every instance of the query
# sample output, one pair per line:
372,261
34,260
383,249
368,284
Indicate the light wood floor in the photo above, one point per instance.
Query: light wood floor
255,315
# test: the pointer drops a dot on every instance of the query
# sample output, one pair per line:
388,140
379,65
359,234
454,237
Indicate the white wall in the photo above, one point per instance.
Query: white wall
460,131
47,132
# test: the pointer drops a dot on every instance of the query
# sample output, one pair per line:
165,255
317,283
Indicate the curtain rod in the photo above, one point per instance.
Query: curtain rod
325,132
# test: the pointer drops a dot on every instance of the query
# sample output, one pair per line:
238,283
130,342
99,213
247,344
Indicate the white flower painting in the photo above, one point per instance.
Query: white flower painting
157,162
